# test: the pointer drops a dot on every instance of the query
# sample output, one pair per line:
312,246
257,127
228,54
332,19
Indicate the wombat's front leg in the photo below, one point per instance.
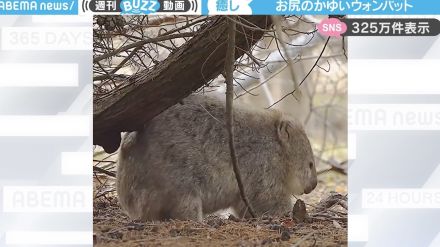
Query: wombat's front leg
271,206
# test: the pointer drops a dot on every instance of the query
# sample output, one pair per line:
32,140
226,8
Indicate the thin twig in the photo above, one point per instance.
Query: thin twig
102,77
141,43
305,77
296,89
229,70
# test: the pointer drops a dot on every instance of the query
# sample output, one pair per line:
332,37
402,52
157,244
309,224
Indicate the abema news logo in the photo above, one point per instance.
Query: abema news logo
40,7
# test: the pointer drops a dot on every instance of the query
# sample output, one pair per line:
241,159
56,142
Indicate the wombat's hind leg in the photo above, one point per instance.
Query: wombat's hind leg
186,208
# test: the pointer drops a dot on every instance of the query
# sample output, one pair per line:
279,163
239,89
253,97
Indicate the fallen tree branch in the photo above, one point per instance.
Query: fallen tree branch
328,202
147,93
229,80
334,166
104,171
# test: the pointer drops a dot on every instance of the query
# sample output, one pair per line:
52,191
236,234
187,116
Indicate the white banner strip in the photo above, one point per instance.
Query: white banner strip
58,125
357,228
393,76
62,19
351,146
76,163
38,75
49,238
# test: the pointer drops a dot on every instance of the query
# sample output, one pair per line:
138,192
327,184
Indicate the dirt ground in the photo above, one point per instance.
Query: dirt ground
325,225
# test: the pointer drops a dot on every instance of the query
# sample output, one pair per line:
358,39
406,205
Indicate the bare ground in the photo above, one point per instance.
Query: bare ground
326,225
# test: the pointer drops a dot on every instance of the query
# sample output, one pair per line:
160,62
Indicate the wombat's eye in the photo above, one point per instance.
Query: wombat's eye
311,165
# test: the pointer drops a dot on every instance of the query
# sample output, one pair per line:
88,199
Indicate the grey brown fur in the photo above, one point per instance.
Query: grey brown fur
179,167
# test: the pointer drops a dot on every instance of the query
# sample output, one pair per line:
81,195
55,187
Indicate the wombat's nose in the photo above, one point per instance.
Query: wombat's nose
311,186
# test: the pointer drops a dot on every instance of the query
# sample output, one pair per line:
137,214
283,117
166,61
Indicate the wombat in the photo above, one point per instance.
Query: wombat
179,165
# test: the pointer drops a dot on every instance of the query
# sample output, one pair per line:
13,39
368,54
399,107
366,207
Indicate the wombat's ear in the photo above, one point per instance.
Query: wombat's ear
284,130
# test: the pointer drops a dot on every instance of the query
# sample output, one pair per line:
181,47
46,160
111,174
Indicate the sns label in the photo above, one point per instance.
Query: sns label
332,27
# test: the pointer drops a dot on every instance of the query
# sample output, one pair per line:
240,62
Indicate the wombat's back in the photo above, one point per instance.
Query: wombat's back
183,155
